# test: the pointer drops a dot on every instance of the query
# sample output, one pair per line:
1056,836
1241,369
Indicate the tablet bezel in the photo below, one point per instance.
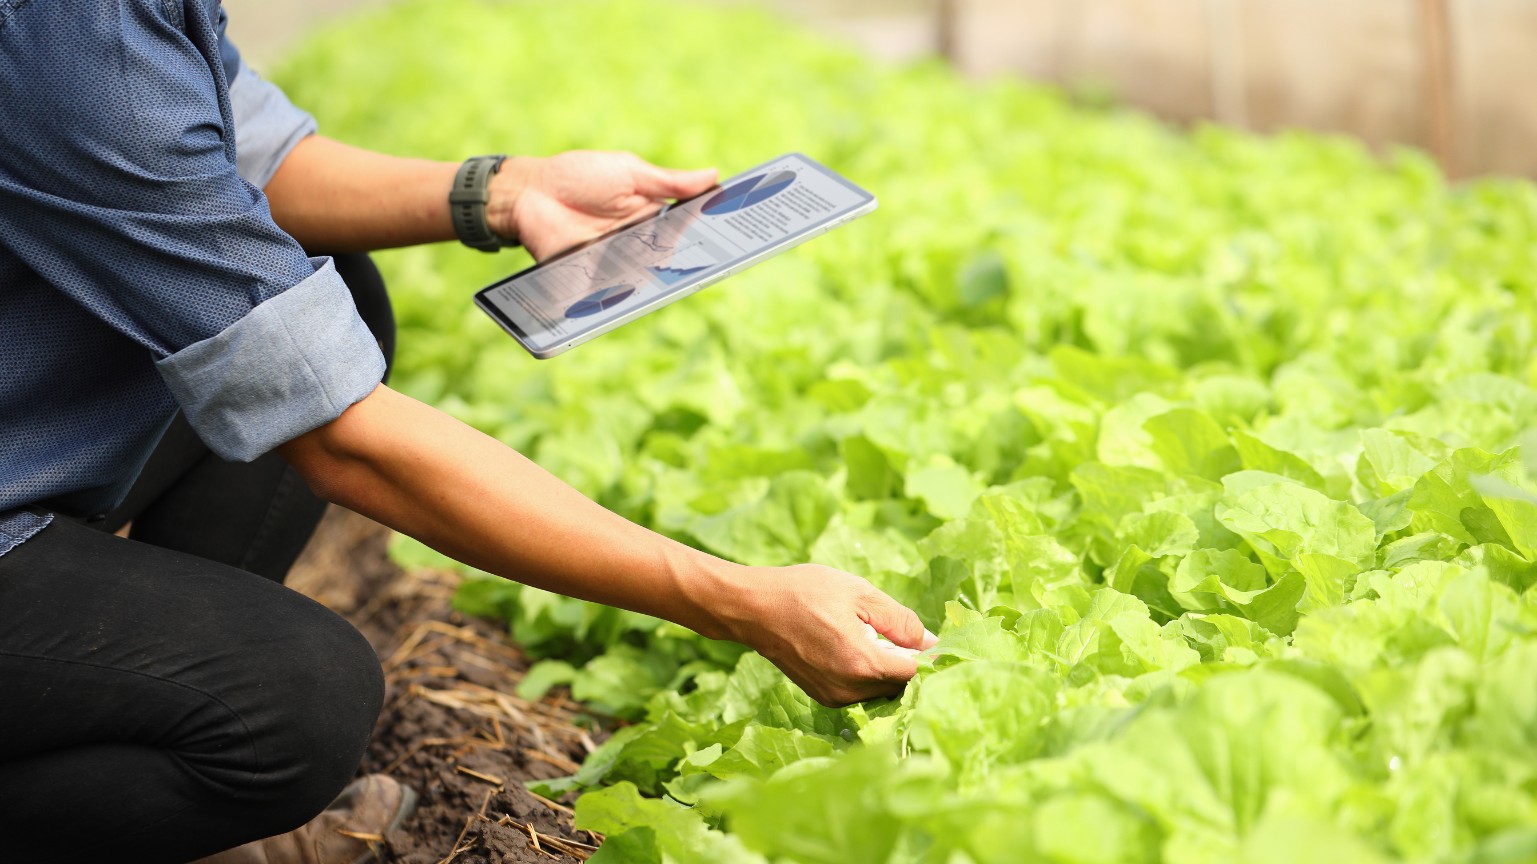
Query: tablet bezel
683,289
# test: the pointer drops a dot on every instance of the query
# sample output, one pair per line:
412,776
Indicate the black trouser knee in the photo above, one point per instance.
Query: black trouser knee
186,706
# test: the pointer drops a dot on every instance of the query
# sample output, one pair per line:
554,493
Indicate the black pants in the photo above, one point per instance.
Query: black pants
164,697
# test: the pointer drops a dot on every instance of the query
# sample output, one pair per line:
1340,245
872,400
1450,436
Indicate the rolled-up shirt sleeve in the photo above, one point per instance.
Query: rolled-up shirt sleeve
119,186
294,363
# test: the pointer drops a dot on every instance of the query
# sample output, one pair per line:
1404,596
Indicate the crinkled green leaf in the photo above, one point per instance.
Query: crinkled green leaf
676,832
946,488
759,754
1190,442
865,552
1286,520
828,812
984,712
778,529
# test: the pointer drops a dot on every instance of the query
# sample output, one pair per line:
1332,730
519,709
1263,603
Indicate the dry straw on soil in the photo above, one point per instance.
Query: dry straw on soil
452,726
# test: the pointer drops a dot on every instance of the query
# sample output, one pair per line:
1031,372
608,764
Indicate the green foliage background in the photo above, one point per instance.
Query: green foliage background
1200,451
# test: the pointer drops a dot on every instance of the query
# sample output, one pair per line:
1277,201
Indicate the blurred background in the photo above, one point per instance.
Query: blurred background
1452,77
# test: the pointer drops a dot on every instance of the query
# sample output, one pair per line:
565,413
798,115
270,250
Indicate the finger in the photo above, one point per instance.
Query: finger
894,664
654,182
883,644
897,622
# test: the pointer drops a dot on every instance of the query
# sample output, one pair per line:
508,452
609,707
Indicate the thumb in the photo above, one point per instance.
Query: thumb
654,182
897,622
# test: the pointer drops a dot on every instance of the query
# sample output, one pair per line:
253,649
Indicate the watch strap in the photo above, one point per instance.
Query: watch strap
467,203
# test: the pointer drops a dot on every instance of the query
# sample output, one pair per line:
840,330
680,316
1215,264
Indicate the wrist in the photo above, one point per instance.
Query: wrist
505,190
718,596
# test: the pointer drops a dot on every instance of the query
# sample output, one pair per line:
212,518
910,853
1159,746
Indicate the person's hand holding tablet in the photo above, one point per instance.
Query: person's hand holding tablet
661,254
552,204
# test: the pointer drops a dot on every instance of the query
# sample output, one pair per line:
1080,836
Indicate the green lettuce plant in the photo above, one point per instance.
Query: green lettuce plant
1200,451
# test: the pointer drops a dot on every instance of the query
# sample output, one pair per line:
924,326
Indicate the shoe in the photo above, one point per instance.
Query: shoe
371,806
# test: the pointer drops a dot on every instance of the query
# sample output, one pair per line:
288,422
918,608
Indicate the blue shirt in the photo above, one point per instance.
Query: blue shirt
141,273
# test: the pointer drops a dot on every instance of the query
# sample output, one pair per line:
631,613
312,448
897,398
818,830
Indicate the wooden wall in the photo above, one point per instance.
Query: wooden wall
1455,77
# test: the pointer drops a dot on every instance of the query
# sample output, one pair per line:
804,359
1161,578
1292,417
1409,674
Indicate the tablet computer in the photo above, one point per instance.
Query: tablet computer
589,290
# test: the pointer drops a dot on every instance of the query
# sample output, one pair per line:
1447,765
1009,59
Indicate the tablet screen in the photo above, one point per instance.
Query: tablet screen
638,267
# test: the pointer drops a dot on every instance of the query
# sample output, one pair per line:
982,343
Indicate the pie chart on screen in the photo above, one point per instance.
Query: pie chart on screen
597,301
753,190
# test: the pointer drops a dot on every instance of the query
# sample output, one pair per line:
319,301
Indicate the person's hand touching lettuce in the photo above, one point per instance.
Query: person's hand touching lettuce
469,496
425,474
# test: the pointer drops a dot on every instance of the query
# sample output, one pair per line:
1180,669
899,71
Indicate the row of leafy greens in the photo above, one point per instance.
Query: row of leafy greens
1199,450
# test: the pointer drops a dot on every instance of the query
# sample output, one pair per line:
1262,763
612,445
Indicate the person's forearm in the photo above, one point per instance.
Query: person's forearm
473,498
333,197
467,495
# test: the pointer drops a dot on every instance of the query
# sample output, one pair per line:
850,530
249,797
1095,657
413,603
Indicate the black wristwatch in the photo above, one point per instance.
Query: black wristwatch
467,202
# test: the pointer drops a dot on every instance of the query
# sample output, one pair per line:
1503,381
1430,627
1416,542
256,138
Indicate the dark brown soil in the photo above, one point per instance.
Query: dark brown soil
452,726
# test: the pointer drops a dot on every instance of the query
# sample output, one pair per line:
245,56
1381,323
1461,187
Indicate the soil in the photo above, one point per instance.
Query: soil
452,727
